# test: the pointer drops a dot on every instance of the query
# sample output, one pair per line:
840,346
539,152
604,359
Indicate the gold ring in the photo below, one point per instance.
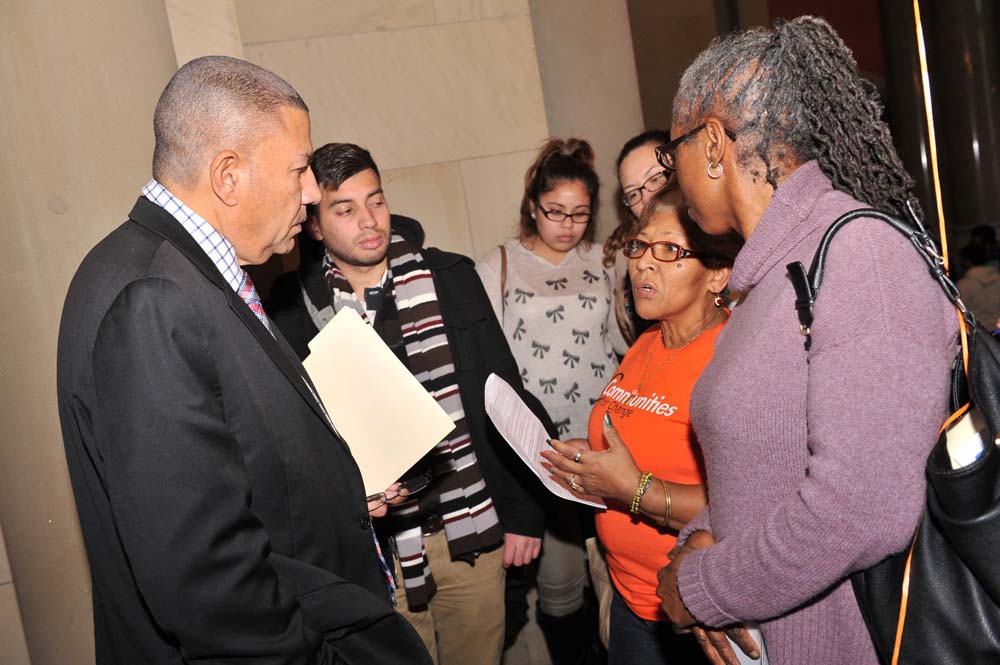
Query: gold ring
576,458
573,484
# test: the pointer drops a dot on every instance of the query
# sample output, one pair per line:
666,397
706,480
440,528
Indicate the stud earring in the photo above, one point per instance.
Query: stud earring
715,175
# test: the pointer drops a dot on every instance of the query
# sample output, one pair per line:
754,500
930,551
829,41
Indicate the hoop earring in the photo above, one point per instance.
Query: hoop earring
718,301
711,173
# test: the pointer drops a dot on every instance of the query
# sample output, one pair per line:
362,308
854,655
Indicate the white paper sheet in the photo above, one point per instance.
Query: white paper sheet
966,439
525,433
387,418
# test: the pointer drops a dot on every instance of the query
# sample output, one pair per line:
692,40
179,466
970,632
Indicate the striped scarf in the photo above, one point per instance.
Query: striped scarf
457,492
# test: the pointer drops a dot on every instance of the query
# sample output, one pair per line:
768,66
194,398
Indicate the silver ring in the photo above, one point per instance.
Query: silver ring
576,458
573,484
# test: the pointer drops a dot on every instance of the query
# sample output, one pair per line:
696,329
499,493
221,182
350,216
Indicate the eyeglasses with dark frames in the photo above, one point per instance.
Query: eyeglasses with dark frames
558,216
666,154
664,251
652,184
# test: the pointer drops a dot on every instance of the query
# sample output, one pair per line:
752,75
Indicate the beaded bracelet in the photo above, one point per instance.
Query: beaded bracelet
644,483
668,504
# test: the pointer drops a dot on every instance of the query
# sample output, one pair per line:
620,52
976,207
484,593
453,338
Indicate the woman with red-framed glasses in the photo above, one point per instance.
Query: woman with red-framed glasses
640,454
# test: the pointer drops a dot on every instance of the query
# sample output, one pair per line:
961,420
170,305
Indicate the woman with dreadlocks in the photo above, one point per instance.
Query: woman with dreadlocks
814,459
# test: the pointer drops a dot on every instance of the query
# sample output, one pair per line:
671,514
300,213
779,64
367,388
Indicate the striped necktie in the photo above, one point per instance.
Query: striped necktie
252,299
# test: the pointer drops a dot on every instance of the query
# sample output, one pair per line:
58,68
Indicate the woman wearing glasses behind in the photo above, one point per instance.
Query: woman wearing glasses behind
650,477
553,298
640,176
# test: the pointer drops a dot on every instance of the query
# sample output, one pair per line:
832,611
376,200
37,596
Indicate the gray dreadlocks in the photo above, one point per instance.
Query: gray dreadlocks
793,94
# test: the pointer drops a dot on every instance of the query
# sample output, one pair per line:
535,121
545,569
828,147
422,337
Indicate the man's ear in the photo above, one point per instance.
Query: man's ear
312,228
226,174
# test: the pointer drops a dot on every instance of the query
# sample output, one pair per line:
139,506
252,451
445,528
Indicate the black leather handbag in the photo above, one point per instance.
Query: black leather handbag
938,602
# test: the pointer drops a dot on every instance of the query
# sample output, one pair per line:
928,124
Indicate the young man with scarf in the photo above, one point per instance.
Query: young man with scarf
451,542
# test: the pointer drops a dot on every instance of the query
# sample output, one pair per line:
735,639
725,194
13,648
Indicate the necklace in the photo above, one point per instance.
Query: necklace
677,352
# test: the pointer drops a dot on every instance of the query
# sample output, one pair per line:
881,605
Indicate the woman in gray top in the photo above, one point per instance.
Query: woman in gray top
556,308
814,459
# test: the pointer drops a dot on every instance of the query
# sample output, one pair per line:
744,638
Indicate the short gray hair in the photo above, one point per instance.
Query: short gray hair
212,103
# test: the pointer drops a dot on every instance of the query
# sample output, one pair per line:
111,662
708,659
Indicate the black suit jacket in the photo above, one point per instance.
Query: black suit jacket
224,519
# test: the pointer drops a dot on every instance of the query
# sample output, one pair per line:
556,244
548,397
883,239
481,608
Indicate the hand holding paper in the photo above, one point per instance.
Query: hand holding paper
525,434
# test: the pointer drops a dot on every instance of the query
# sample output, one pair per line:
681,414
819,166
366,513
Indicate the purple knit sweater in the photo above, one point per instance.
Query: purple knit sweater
816,469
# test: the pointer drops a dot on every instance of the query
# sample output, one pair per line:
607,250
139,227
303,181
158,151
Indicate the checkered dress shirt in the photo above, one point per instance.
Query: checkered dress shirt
220,250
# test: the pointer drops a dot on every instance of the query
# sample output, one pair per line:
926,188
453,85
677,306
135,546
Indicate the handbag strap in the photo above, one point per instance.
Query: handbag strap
807,283
903,602
503,280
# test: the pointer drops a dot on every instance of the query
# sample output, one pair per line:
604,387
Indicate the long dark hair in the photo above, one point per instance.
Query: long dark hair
570,160
793,94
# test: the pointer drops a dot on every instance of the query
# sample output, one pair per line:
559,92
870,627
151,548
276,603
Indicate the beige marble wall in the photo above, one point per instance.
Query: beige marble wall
203,27
589,81
493,189
13,648
80,80
445,93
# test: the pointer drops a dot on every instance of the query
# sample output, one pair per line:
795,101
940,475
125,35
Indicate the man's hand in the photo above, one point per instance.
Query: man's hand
378,504
520,550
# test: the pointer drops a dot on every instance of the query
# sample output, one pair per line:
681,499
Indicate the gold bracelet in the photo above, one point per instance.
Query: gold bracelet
668,504
644,482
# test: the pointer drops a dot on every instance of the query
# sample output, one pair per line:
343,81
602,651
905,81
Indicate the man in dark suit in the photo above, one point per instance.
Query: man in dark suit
224,518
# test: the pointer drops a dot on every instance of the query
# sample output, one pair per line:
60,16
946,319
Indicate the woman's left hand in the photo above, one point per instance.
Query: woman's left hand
610,473
714,643
670,595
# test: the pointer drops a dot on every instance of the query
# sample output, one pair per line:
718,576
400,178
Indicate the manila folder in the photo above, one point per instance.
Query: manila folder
387,418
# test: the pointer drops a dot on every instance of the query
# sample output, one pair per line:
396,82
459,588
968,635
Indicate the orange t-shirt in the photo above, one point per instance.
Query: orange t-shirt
655,424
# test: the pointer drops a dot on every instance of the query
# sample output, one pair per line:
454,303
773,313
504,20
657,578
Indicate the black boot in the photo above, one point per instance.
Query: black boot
573,639
515,604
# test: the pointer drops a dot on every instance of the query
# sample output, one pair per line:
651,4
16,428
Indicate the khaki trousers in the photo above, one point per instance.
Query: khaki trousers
464,622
